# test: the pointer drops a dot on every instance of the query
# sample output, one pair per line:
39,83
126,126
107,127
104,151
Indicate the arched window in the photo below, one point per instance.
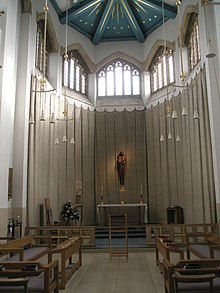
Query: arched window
119,78
162,69
192,41
40,49
75,72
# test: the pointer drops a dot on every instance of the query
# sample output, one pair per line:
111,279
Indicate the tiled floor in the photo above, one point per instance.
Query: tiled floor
98,275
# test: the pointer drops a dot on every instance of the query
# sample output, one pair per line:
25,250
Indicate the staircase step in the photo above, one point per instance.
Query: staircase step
133,232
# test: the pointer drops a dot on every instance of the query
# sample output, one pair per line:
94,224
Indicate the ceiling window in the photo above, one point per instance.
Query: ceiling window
192,41
162,69
119,78
75,72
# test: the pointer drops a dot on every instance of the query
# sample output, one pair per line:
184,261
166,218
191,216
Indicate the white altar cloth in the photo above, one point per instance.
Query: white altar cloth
122,205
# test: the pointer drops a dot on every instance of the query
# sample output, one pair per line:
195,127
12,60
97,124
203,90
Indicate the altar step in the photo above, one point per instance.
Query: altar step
136,237
133,232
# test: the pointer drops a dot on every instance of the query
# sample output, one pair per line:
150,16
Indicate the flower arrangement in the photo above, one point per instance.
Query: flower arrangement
69,213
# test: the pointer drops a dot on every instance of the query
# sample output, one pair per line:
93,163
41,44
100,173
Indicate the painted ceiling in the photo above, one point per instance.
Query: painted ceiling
115,20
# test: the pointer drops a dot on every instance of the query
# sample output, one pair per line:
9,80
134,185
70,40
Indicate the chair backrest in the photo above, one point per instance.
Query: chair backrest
15,282
193,279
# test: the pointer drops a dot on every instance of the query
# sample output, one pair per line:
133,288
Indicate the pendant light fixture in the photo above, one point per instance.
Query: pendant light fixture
65,117
42,91
161,138
210,51
31,119
56,141
161,130
196,114
174,114
52,118
169,134
178,138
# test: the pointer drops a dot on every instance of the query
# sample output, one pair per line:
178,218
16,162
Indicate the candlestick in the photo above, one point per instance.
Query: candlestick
141,199
122,190
102,195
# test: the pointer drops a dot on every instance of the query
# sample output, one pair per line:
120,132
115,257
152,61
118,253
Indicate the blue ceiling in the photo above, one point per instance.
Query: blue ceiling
115,20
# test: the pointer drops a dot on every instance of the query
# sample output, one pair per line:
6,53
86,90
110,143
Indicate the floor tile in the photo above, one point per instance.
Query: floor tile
99,275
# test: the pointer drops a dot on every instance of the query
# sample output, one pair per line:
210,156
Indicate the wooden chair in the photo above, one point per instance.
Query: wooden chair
12,282
192,279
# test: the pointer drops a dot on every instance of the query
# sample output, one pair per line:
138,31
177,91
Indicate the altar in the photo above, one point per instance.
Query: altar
142,217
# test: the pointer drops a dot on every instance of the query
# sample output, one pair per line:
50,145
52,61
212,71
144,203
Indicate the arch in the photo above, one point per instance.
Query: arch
119,55
153,51
83,54
51,32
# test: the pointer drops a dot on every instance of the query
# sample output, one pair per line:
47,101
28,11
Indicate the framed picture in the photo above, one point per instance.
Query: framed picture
10,183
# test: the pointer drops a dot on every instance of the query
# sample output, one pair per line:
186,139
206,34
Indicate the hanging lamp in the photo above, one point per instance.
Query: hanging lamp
210,52
65,117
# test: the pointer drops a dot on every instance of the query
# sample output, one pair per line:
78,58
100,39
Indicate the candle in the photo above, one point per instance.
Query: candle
141,190
101,190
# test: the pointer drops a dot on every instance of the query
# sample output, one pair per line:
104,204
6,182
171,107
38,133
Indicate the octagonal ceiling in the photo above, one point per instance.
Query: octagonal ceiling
115,20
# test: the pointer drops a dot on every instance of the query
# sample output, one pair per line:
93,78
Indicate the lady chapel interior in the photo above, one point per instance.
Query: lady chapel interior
113,106
82,82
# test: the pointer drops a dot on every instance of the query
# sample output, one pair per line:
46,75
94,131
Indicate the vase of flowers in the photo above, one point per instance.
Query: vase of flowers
70,213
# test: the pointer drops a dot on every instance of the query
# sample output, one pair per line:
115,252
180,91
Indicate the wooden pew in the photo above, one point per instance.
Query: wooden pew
24,248
59,233
42,278
192,267
177,232
203,245
68,266
165,247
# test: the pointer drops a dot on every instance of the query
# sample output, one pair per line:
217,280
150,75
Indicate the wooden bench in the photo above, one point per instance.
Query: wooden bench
59,233
67,250
177,232
187,268
165,247
24,248
203,245
41,278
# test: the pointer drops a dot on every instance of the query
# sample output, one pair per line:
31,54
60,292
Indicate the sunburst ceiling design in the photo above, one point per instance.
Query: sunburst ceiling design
115,20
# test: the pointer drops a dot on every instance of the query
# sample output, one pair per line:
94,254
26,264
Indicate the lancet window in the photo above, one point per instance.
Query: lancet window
75,73
118,78
162,69
192,41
